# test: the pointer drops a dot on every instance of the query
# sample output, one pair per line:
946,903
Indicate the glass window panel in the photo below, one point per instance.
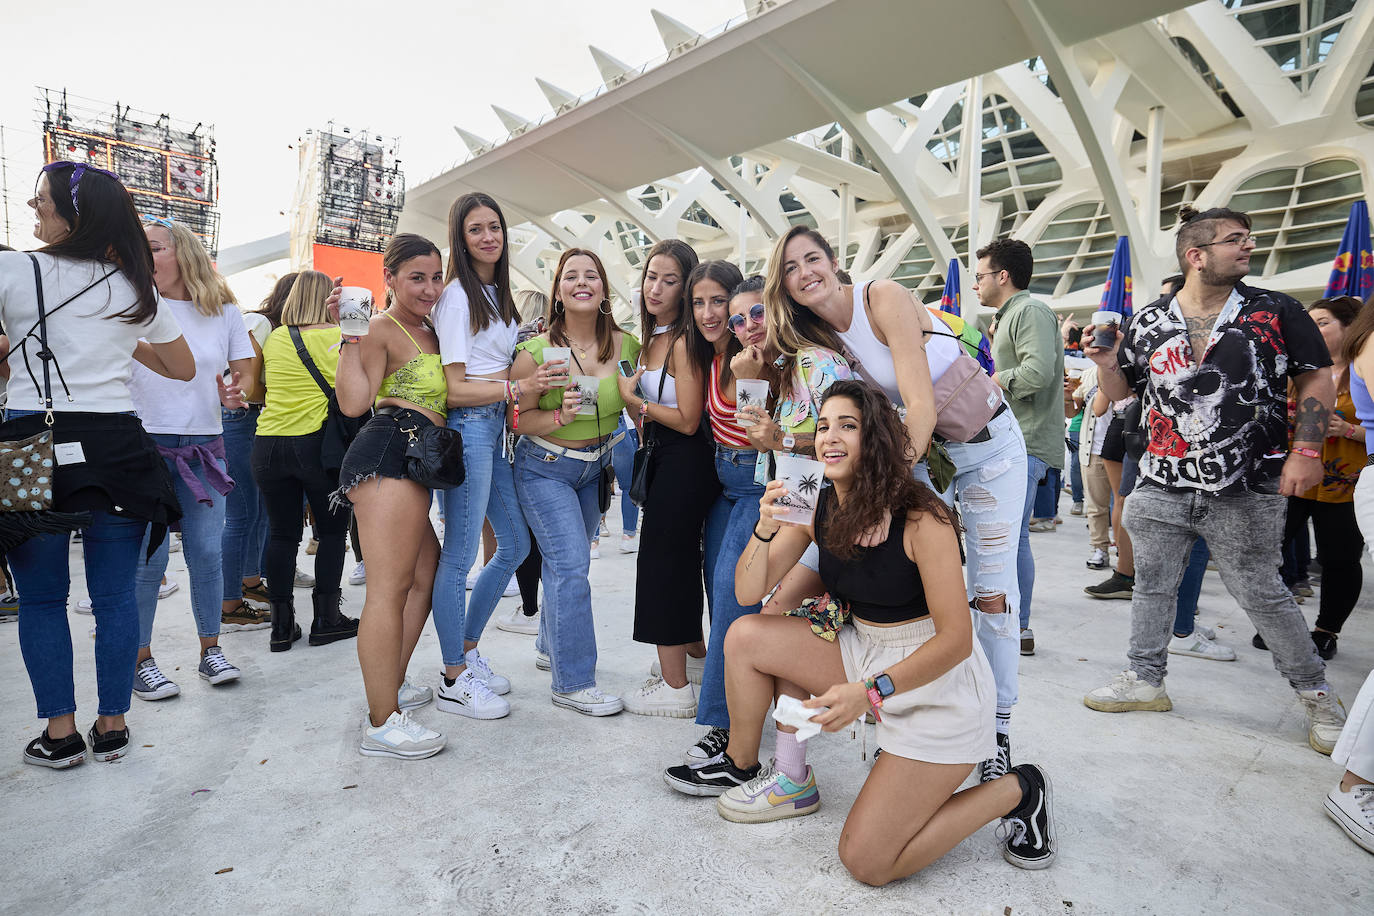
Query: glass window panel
1329,168
1278,178
1295,258
1052,249
1043,285
1086,280
1262,221
1261,200
994,181
1335,210
1317,236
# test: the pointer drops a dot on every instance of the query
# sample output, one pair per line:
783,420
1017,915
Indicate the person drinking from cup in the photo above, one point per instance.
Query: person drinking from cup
560,459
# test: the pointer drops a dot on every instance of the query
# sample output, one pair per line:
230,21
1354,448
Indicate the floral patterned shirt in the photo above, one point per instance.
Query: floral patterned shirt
799,407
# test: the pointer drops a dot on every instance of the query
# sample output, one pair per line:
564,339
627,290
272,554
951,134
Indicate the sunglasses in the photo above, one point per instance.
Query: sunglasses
736,322
78,169
163,221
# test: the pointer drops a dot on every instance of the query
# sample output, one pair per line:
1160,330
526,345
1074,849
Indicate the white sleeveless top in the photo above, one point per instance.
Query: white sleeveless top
649,381
875,359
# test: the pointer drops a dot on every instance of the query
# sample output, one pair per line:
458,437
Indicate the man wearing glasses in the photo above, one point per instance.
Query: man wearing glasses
1212,364
1029,355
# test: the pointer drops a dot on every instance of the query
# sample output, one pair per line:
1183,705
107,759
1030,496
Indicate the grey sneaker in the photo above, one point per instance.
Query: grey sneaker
412,697
589,701
215,668
304,579
400,736
1325,718
151,684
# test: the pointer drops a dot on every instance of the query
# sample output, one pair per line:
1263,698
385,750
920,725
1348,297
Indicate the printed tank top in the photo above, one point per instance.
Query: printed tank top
420,381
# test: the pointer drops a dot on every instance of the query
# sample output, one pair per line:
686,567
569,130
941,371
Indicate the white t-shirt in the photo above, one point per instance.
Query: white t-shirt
192,408
93,347
488,352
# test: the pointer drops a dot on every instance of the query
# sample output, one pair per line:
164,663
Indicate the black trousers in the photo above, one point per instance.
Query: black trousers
1339,550
527,575
288,469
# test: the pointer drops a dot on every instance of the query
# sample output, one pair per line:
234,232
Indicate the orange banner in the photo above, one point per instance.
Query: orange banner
358,268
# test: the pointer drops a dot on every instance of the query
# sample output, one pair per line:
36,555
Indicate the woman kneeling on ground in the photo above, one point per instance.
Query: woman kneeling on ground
909,655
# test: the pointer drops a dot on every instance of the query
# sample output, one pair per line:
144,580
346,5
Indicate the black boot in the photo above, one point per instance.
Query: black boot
330,625
284,628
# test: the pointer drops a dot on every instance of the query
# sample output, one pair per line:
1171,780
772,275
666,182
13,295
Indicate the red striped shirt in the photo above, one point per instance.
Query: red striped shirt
721,411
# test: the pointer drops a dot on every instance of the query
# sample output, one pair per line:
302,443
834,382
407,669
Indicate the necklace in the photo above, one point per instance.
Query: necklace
581,350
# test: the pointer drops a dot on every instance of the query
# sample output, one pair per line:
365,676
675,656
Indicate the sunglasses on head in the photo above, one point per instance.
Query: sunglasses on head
163,221
736,322
78,169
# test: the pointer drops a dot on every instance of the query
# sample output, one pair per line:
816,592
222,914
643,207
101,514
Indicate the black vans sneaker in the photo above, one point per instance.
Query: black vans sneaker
712,779
1029,830
60,754
999,765
110,745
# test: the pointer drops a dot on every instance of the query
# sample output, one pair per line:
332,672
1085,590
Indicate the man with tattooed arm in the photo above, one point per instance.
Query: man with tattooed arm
1211,365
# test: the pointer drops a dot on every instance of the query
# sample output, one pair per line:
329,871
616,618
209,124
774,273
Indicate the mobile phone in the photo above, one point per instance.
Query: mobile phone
626,368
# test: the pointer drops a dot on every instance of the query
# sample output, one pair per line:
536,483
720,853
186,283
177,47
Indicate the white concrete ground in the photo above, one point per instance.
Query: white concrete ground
253,797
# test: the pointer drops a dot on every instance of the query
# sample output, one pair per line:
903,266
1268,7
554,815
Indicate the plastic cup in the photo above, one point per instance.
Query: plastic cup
750,392
355,310
590,388
1104,328
559,354
803,478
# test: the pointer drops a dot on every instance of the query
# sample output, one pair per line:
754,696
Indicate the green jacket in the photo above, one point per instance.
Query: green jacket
1029,355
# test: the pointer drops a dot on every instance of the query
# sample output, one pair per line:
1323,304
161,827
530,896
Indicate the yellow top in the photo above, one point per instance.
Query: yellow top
295,404
420,381
608,402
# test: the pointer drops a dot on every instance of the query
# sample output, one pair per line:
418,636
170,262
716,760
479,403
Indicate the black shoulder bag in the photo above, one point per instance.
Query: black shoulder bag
642,474
339,428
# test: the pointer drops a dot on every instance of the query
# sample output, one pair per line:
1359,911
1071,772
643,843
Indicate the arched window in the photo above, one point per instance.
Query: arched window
1297,34
1018,170
1364,101
1298,214
1075,250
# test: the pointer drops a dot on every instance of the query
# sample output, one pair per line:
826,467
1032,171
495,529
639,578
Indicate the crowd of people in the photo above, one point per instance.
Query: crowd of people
903,591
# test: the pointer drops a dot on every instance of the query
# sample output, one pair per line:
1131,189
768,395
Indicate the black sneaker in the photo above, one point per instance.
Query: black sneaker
60,754
709,749
110,745
1029,830
998,765
1258,642
713,779
1325,643
1118,586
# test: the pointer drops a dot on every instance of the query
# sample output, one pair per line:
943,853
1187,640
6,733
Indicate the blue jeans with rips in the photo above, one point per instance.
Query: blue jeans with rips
729,526
488,491
559,496
245,514
110,548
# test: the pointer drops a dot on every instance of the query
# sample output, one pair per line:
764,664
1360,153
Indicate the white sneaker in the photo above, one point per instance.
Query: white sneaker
482,671
359,574
596,549
589,701
629,543
1098,559
412,697
1325,718
1127,692
174,542
303,579
1200,645
83,606
656,698
696,667
1354,812
541,661
400,736
468,696
168,589
517,622
512,588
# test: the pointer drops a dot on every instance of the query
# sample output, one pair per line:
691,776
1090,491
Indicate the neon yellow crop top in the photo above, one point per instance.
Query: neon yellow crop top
420,381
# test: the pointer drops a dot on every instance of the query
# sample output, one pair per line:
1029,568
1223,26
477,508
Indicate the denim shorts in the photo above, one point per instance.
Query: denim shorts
379,449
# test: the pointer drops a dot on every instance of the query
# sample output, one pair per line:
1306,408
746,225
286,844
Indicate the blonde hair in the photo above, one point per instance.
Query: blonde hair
792,327
532,304
209,292
305,303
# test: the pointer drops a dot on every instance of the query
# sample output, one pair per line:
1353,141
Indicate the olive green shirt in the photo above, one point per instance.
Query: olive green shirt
1029,354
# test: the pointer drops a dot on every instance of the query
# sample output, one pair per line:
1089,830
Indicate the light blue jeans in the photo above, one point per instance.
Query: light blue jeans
1036,470
202,527
245,514
729,526
559,496
990,486
488,491
623,461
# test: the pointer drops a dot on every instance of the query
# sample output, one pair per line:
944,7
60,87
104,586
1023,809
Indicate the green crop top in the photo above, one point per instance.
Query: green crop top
420,381
608,403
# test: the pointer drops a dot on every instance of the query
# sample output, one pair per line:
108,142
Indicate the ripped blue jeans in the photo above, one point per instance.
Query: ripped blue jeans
990,486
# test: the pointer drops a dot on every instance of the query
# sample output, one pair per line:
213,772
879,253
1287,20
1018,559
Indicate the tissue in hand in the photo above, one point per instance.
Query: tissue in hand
790,711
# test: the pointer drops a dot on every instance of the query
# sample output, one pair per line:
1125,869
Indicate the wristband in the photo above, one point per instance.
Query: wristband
558,417
1306,453
643,410
344,340
761,538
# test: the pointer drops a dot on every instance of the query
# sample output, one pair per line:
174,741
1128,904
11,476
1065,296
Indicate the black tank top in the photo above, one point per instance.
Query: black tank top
881,584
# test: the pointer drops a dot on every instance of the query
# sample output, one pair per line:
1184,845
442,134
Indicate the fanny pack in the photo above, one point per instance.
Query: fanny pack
434,453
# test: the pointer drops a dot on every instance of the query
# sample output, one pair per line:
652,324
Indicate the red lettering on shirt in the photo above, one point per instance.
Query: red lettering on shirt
1171,359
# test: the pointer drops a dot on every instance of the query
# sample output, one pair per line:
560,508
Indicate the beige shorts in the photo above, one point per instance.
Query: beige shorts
950,720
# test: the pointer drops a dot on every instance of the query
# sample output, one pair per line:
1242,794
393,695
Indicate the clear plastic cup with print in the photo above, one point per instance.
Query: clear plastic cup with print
355,310
589,387
1104,328
802,479
559,355
750,392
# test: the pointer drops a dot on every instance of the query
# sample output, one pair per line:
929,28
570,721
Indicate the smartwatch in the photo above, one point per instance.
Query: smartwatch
884,685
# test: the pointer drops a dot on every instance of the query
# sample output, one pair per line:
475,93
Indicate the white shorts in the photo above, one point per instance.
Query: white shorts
950,720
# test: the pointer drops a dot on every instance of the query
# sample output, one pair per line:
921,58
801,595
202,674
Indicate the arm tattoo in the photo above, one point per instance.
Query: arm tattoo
1310,425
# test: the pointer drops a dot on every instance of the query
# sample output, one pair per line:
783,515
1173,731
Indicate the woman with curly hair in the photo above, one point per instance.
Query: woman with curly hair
907,654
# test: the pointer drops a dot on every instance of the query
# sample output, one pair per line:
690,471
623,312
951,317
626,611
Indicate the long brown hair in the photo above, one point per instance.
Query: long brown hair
482,311
271,306
1359,330
882,475
686,258
793,327
727,276
605,322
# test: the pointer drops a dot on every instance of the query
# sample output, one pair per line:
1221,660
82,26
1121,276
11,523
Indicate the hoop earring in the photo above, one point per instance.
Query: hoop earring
608,309
557,306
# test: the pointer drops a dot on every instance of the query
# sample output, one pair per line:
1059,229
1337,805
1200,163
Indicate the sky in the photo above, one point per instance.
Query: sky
263,72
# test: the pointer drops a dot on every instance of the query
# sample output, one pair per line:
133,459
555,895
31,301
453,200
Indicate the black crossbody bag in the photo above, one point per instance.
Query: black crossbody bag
642,474
339,429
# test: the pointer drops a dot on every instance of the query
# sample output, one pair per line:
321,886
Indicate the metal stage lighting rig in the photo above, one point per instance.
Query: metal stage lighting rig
168,166
361,189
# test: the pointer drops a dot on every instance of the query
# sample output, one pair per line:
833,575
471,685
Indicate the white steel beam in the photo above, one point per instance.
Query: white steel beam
651,223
